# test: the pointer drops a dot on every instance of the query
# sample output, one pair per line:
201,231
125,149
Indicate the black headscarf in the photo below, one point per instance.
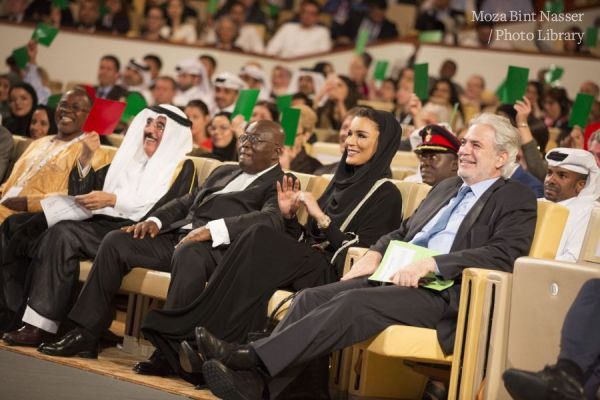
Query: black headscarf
229,152
20,125
351,183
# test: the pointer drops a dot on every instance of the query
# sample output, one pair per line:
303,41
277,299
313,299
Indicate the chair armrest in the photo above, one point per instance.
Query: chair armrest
353,254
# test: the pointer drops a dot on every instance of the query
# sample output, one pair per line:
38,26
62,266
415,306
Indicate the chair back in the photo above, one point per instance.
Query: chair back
590,250
551,220
204,166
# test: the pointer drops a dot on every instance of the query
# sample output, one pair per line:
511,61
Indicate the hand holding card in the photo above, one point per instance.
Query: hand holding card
104,116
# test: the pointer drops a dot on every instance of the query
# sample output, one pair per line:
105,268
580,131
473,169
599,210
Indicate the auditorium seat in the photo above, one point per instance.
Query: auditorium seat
115,139
327,153
20,144
204,166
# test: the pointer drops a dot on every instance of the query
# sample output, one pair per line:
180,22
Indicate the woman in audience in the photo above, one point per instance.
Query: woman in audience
22,100
154,24
386,91
343,134
265,110
535,94
42,122
294,157
280,80
444,93
197,112
223,137
261,260
556,108
339,94
178,29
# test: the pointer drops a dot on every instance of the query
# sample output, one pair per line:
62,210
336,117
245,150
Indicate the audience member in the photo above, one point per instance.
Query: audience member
341,140
5,84
359,71
232,199
404,91
193,83
573,181
575,374
42,122
253,11
307,82
337,96
324,68
483,37
197,112
438,155
210,64
314,259
594,146
88,17
248,38
256,78
315,38
148,171
444,93
299,99
15,10
21,99
136,78
385,91
45,166
280,81
226,34
331,317
265,110
373,21
535,92
35,75
591,88
227,88
6,148
154,62
556,110
222,135
108,76
164,90
178,30
295,157
116,18
439,15
155,22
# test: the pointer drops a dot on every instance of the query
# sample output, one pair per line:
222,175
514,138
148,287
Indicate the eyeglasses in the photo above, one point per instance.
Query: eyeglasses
73,107
253,139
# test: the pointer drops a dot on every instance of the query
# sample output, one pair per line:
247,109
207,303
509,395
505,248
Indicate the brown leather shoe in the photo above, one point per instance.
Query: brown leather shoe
27,335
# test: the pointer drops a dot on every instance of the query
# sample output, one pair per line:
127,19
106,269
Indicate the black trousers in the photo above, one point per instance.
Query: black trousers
19,235
331,317
55,265
120,252
580,338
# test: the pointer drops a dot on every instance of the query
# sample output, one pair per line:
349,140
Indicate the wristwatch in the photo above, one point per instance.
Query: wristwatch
324,222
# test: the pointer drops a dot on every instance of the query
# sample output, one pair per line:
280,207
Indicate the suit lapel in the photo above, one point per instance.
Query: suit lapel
470,219
208,193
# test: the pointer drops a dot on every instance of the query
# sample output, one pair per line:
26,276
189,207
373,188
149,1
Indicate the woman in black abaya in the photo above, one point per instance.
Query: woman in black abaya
263,260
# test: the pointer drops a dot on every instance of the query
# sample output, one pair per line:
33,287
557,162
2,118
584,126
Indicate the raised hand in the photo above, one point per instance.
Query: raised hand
288,192
523,108
91,143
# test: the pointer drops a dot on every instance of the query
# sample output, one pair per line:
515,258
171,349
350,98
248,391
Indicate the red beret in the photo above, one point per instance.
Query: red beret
437,138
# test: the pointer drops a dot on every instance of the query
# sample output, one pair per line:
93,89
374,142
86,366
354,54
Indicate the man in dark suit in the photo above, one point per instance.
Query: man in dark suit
478,219
190,233
108,75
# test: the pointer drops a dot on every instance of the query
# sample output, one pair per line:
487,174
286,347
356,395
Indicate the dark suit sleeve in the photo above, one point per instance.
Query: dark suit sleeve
6,149
381,213
185,184
496,245
269,215
178,208
94,180
388,30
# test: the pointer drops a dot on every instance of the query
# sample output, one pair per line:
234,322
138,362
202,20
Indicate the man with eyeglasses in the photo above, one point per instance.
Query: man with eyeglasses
187,236
45,166
438,155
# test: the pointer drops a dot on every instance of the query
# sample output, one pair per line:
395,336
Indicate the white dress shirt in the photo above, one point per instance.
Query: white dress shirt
293,40
580,211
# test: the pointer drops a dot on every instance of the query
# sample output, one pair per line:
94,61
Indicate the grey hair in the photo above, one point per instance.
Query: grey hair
506,138
594,137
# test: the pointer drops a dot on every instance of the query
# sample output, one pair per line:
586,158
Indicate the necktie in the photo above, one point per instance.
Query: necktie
441,223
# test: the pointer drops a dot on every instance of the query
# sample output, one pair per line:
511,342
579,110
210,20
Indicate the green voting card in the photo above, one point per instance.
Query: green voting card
290,117
361,41
21,57
44,34
422,81
552,77
135,103
431,36
380,70
245,103
591,37
62,4
516,83
581,110
284,101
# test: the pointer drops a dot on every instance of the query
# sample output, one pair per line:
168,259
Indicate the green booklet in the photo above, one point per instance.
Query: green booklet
400,254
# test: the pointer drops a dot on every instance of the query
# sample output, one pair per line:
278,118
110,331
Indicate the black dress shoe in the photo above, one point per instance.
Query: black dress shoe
77,342
190,360
156,365
549,384
232,385
233,356
27,335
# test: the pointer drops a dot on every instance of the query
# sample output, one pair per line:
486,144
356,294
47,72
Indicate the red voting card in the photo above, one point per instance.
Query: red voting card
104,116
